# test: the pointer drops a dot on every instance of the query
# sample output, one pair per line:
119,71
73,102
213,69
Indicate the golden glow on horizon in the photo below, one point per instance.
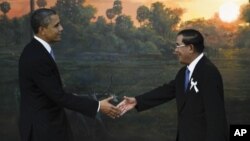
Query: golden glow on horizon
229,12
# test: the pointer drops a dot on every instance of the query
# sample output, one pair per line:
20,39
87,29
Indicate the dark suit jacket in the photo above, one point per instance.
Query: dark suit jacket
42,115
201,115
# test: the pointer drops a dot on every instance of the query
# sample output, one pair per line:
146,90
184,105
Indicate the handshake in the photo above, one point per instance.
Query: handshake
112,111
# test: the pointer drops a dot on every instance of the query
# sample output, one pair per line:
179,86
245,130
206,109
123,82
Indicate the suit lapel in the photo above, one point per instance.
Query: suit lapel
196,76
183,96
51,60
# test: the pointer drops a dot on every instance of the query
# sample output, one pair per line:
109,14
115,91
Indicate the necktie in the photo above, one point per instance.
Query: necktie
52,54
186,78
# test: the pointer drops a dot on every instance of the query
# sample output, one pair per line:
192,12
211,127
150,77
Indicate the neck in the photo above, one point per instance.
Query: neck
193,57
42,37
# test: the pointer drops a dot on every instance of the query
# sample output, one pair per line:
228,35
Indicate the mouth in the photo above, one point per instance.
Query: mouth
59,35
177,55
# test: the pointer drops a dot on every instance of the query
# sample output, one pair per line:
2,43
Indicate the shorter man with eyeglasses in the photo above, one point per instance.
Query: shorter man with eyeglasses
198,90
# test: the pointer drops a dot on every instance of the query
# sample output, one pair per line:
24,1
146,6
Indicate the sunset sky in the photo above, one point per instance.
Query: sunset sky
193,8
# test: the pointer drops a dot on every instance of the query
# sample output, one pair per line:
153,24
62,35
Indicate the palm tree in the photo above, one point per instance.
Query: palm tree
110,14
117,7
5,7
41,3
32,6
123,24
142,14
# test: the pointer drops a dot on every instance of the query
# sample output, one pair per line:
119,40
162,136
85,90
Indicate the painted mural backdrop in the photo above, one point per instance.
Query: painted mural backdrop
118,47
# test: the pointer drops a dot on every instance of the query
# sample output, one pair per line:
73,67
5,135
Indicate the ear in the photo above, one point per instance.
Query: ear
41,30
192,48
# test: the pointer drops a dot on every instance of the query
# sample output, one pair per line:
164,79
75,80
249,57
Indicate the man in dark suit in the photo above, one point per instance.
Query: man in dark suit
198,90
42,115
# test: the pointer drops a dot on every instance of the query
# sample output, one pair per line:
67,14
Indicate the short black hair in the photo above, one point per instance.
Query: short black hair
41,17
194,37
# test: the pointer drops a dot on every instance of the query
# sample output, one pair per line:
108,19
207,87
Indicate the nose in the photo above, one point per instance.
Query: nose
60,28
175,51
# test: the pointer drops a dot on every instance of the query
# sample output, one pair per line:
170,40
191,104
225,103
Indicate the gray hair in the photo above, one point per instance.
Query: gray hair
41,17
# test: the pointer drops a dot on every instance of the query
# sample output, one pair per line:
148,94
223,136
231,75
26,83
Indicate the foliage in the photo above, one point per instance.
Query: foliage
163,20
110,14
41,3
5,7
116,10
117,7
243,32
83,32
13,35
123,26
75,12
242,39
142,14
217,34
246,13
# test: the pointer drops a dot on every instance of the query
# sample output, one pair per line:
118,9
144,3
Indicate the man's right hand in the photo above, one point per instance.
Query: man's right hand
109,109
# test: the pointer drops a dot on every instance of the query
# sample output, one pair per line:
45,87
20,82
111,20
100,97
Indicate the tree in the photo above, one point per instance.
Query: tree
142,14
74,11
110,14
117,7
5,7
123,25
242,39
101,25
41,3
246,13
242,36
164,20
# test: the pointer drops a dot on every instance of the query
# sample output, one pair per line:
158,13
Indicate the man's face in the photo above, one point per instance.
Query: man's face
52,33
182,51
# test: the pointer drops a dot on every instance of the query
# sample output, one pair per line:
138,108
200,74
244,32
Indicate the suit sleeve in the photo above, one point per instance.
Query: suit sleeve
214,106
47,79
156,96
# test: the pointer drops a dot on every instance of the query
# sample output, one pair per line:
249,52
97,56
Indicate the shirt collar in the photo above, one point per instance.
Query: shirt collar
192,65
44,43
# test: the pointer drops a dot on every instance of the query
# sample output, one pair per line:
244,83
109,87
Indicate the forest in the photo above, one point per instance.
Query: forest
116,32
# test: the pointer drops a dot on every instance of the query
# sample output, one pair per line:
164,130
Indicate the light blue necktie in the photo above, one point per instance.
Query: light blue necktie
52,54
186,78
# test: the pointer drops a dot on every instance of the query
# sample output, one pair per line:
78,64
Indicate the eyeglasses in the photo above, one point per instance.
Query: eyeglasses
178,46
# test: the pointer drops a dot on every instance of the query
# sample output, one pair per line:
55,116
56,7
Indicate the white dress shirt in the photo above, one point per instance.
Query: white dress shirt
192,65
44,43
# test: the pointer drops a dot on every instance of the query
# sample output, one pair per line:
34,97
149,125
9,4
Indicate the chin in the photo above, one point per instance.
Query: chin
58,39
182,62
54,41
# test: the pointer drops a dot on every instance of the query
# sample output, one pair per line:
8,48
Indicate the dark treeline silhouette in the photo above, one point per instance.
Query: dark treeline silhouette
155,35
243,33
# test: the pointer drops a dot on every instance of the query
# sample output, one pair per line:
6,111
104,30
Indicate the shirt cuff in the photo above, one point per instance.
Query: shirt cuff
98,109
